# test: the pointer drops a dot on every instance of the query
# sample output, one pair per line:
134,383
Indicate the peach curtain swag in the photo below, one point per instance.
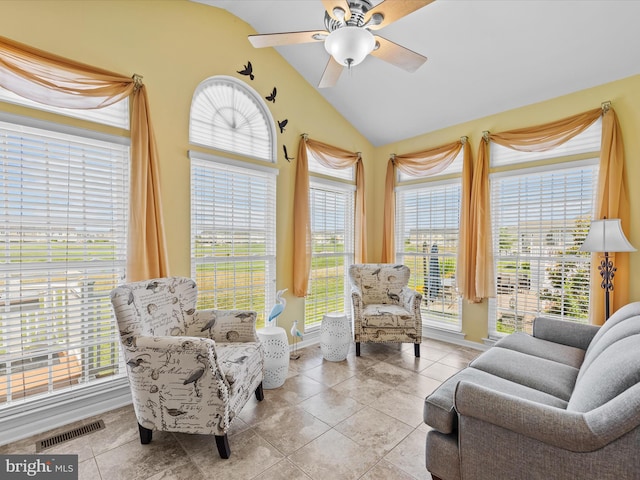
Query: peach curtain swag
612,200
330,157
423,163
53,80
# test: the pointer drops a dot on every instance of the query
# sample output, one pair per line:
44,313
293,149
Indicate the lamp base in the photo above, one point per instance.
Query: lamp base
607,272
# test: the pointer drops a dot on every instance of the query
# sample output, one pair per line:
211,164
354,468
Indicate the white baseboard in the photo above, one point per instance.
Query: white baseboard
456,338
22,421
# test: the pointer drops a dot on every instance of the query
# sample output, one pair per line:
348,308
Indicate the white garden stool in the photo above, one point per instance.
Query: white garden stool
276,356
335,336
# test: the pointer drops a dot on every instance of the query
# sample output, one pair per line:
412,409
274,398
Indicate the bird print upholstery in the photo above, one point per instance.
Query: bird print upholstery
385,309
190,370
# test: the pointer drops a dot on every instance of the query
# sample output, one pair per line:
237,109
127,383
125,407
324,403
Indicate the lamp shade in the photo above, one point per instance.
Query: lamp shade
350,45
606,236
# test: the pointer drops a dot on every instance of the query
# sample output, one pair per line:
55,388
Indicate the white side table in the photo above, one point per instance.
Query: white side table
276,356
335,336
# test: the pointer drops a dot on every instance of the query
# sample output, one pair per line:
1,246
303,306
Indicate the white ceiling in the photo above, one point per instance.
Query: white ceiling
485,57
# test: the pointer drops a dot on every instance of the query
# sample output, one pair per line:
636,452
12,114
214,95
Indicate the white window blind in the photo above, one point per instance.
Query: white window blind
116,115
427,229
332,239
228,115
233,234
63,218
540,218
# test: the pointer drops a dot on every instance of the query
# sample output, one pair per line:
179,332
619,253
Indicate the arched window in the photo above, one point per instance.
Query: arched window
233,202
228,115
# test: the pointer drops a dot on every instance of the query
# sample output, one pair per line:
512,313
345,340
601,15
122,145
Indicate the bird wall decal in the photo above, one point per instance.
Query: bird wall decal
248,71
286,155
272,97
282,124
277,309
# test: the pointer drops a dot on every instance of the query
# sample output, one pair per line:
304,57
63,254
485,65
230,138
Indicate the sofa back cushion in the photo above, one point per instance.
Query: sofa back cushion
612,361
379,283
616,369
623,323
613,330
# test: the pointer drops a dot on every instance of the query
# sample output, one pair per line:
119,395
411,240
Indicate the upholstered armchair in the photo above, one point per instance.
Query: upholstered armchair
385,309
190,370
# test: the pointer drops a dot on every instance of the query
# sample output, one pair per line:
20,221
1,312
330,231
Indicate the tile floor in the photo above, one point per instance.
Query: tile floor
356,419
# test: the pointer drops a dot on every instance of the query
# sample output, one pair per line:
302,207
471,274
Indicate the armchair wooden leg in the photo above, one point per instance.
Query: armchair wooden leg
145,435
357,349
416,348
222,442
259,393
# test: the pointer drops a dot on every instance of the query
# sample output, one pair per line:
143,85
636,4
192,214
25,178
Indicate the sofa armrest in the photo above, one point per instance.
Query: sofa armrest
568,430
573,334
225,325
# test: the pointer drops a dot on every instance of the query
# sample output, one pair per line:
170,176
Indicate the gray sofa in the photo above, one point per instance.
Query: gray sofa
563,403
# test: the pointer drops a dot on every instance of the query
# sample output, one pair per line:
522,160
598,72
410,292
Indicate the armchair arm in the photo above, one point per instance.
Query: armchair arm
358,306
568,430
176,378
225,325
175,355
410,298
573,334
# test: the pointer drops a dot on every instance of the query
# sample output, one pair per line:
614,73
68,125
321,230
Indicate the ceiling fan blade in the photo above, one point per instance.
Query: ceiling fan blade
331,74
329,5
393,10
287,38
398,55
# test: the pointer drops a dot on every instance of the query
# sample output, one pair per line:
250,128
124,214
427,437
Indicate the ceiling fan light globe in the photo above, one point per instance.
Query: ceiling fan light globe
350,45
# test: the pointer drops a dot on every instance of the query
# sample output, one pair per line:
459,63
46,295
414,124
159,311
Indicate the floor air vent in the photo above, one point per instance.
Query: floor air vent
70,435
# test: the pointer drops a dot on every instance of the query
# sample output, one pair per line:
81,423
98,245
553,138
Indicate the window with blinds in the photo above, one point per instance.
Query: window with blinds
427,229
540,217
63,222
228,115
233,254
331,210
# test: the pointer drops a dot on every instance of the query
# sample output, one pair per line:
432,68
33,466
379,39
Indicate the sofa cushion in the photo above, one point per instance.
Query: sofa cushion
614,370
438,407
608,336
537,373
524,343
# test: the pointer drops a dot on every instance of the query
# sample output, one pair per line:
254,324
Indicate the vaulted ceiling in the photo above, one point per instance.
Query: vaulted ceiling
484,57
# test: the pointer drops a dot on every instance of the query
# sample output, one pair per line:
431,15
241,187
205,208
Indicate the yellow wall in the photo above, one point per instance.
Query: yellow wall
176,44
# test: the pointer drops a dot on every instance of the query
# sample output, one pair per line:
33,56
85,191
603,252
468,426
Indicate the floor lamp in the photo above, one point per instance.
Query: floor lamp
606,236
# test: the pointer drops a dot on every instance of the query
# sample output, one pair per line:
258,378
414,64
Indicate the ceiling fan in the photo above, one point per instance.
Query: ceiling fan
347,36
